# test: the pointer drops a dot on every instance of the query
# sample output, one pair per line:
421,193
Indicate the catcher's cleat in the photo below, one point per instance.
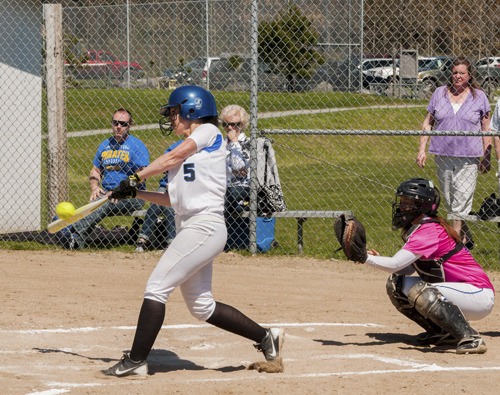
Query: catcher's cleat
436,339
472,345
271,344
127,367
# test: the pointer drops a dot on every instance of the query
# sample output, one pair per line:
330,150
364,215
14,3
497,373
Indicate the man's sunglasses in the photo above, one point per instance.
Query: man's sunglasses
232,124
114,122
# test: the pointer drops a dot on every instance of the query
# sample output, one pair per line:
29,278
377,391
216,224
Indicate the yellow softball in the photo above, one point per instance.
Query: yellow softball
65,210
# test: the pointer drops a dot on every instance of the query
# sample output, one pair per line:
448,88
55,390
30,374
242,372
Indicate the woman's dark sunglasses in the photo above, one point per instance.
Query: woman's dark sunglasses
232,124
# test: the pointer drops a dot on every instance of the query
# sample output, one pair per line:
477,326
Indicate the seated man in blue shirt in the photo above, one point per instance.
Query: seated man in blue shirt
117,158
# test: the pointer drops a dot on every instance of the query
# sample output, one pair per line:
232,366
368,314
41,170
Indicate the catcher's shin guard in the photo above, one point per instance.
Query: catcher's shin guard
429,302
394,287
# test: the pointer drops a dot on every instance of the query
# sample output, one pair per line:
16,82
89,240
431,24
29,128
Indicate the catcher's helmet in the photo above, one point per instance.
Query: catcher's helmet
195,102
422,198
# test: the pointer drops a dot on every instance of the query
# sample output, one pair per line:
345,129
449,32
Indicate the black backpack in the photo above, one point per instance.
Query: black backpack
490,207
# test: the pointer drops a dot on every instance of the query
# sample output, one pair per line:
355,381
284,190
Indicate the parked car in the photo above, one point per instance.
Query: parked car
233,74
103,64
434,71
194,72
431,71
371,81
488,74
179,75
488,62
344,76
371,63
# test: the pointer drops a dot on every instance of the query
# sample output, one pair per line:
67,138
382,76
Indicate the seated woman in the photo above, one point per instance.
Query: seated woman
235,120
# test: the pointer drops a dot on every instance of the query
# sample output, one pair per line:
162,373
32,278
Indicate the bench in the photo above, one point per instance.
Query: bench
473,218
300,215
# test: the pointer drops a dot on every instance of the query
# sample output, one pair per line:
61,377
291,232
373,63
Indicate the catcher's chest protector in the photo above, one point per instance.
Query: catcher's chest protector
431,270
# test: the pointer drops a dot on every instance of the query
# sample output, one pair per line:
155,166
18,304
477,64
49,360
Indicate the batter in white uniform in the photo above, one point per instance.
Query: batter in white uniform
196,188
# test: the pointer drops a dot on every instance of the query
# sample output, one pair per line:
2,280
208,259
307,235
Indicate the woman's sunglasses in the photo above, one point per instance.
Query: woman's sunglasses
232,124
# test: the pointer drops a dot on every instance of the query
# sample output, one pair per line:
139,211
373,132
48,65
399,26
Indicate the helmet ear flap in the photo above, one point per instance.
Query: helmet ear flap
435,205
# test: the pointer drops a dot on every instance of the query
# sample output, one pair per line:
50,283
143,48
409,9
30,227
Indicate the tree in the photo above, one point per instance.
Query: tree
288,44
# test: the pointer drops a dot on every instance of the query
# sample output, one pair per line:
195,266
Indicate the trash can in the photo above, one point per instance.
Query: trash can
238,233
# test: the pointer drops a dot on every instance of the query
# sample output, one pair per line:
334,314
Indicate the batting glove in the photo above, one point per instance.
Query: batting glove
127,188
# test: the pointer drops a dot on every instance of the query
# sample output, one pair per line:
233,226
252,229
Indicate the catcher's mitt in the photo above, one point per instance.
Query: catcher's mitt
352,238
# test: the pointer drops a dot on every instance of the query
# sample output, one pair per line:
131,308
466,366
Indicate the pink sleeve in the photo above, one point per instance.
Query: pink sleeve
424,241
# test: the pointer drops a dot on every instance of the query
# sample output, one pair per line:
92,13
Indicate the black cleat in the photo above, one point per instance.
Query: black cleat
472,345
271,344
127,367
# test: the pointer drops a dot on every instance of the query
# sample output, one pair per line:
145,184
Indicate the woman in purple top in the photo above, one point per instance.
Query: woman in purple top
435,281
463,107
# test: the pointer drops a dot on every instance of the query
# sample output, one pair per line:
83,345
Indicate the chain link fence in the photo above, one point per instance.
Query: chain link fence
340,88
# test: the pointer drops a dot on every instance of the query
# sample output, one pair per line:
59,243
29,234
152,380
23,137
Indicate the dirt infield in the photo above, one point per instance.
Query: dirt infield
66,315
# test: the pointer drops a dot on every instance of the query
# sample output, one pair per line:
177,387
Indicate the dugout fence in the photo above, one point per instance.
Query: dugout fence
306,71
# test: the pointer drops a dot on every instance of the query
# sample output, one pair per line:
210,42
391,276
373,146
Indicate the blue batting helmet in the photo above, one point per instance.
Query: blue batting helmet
195,102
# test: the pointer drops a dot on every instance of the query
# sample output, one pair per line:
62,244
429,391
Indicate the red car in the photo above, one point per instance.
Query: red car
103,64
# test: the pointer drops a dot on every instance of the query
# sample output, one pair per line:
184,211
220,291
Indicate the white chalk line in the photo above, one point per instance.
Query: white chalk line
410,367
62,388
282,376
50,392
407,366
181,326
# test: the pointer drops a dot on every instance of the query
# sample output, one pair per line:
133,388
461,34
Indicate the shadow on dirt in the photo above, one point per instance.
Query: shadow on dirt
56,350
393,338
162,361
382,338
159,361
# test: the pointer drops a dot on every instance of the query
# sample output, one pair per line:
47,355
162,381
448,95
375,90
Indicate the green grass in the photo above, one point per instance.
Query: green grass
373,119
89,109
318,172
359,176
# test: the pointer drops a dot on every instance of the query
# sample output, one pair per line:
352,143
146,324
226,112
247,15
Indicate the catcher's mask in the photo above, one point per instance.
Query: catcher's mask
414,197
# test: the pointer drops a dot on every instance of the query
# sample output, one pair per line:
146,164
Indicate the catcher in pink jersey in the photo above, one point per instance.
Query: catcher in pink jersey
435,280
196,188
